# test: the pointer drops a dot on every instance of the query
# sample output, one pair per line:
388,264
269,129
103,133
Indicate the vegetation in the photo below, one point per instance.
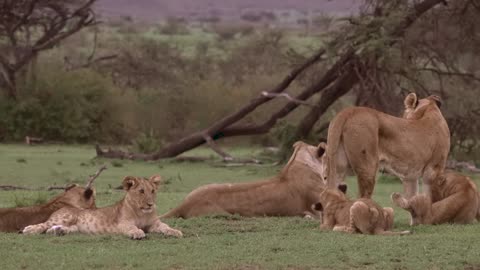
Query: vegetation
212,242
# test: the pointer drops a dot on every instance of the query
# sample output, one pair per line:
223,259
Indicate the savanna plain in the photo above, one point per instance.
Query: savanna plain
217,242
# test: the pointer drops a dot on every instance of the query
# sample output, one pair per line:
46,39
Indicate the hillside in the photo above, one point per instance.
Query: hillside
229,10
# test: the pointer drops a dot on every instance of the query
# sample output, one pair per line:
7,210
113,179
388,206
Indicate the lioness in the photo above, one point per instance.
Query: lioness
291,193
354,216
411,147
15,219
134,215
455,198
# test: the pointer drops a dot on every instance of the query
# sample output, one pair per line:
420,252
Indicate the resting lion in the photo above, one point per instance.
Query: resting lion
411,147
354,216
291,193
15,219
134,215
455,198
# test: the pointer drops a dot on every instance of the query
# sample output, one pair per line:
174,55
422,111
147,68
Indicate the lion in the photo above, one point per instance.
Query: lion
290,193
411,147
455,200
134,215
354,216
74,196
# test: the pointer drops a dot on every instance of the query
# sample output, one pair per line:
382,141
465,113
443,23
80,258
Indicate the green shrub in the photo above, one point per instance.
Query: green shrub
69,106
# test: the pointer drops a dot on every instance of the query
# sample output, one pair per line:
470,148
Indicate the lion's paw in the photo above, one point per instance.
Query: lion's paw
174,232
399,200
57,230
32,229
137,234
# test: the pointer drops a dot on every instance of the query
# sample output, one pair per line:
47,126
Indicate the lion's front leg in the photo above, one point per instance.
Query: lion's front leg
160,227
132,231
328,221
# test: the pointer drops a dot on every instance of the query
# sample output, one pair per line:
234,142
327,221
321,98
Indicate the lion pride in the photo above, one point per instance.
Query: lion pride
411,147
455,200
290,193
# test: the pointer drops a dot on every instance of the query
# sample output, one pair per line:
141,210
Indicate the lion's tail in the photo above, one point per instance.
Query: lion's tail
175,212
478,208
333,143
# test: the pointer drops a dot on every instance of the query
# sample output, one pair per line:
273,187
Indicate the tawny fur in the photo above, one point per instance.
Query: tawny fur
133,216
15,219
354,216
291,193
411,147
455,200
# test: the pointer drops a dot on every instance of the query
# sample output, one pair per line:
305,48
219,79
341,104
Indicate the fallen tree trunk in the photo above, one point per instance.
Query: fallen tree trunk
337,81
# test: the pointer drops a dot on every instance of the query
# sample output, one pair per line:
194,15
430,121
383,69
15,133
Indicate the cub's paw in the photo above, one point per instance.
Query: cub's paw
174,232
32,229
57,230
399,200
137,235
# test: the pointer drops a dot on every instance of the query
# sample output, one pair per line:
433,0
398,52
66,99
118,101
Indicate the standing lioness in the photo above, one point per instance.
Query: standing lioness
411,147
134,215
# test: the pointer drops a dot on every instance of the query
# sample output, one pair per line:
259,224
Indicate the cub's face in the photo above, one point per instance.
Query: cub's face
142,193
78,197
415,109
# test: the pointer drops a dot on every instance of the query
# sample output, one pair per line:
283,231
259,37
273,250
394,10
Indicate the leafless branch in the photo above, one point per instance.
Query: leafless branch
287,96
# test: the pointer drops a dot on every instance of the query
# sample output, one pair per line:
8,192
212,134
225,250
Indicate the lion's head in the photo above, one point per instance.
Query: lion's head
312,156
415,109
78,197
141,193
419,206
331,195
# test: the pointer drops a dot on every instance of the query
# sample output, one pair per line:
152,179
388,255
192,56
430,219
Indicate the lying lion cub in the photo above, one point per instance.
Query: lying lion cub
134,215
455,198
354,216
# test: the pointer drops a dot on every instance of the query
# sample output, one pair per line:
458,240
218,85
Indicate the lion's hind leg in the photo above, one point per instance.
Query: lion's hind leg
362,217
60,230
58,218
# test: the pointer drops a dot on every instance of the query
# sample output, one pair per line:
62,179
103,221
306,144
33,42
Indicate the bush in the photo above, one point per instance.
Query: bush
71,107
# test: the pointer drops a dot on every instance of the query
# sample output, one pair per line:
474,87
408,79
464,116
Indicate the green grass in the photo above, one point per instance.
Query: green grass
211,242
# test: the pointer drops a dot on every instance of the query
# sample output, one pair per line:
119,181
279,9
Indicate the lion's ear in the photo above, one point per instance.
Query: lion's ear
343,188
156,180
129,182
296,144
410,101
318,206
322,147
437,99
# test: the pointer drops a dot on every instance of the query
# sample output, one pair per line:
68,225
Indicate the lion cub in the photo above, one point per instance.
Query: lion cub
134,215
354,216
455,199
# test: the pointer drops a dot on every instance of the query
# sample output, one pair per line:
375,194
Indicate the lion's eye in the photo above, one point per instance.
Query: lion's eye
153,190
142,191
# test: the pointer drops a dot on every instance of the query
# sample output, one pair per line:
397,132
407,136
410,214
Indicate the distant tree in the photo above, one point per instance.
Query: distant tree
28,27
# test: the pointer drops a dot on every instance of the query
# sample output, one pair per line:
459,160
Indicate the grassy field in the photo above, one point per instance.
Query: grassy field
210,242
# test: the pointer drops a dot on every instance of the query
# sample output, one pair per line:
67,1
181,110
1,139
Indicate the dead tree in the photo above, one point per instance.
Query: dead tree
28,27
340,78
